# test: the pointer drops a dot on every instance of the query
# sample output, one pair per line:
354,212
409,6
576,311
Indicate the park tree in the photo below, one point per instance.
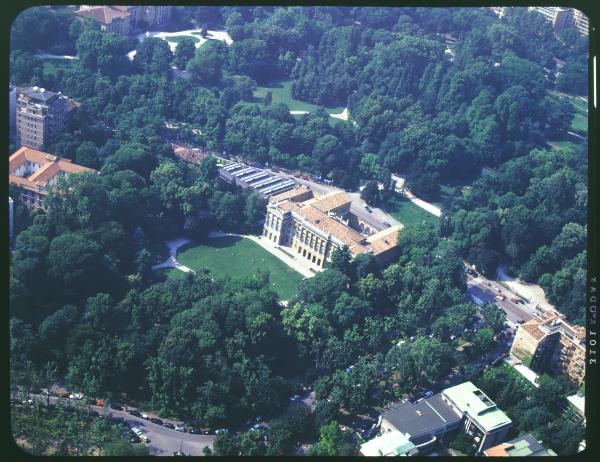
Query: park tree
184,52
206,65
370,193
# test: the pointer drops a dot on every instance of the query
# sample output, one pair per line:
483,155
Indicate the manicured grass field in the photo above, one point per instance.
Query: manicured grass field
180,38
580,119
282,93
563,144
408,213
238,257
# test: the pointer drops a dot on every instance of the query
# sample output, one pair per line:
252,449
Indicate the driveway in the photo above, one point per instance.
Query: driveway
172,262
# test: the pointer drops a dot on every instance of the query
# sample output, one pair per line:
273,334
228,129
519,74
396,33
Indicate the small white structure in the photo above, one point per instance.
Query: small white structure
392,443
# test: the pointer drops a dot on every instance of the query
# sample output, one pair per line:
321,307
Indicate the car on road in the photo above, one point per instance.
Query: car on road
305,177
520,321
295,398
180,428
521,301
169,425
368,209
134,412
221,430
63,394
387,224
145,416
99,402
196,431
75,396
156,421
514,300
116,406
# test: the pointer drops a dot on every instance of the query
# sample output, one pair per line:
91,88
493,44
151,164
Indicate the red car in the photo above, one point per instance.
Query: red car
99,402
305,177
63,394
514,300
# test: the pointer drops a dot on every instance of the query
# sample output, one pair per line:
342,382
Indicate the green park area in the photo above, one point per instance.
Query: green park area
237,257
180,38
579,123
408,213
282,93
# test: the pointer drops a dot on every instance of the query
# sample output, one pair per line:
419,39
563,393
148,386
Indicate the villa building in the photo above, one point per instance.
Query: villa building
114,19
34,172
313,227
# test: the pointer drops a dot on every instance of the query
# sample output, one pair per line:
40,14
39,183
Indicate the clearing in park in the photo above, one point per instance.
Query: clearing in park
238,257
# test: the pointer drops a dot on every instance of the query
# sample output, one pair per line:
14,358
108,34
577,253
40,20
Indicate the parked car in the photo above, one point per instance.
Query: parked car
514,300
169,425
75,396
116,406
221,430
145,416
180,428
428,394
99,402
387,224
195,431
156,421
134,412
63,394
522,302
367,208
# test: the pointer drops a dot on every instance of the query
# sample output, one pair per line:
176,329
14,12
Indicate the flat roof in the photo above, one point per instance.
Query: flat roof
471,400
392,443
521,446
424,416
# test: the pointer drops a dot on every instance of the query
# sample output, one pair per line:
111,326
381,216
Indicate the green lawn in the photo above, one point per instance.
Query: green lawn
446,191
579,122
238,257
563,144
408,213
282,93
173,273
179,38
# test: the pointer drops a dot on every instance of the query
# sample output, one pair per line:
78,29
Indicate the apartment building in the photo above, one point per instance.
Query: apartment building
40,116
548,343
563,17
313,228
34,172
12,113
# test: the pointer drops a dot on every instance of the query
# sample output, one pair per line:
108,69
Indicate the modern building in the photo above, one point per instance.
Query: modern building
393,443
463,408
522,446
482,420
34,172
265,183
577,403
40,116
548,343
111,18
313,228
563,17
425,422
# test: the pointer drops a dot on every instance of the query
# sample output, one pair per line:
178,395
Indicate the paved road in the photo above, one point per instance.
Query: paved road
484,289
163,441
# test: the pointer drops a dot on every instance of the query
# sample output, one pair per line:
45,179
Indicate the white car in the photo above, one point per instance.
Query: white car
75,396
145,416
136,430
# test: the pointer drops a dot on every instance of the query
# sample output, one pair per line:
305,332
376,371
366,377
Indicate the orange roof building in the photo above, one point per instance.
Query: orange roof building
194,156
315,227
548,343
35,171
111,18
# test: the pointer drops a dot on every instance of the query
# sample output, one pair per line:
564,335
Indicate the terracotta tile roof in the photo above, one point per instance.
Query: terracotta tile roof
194,156
51,166
498,451
291,195
384,240
331,201
103,14
532,328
